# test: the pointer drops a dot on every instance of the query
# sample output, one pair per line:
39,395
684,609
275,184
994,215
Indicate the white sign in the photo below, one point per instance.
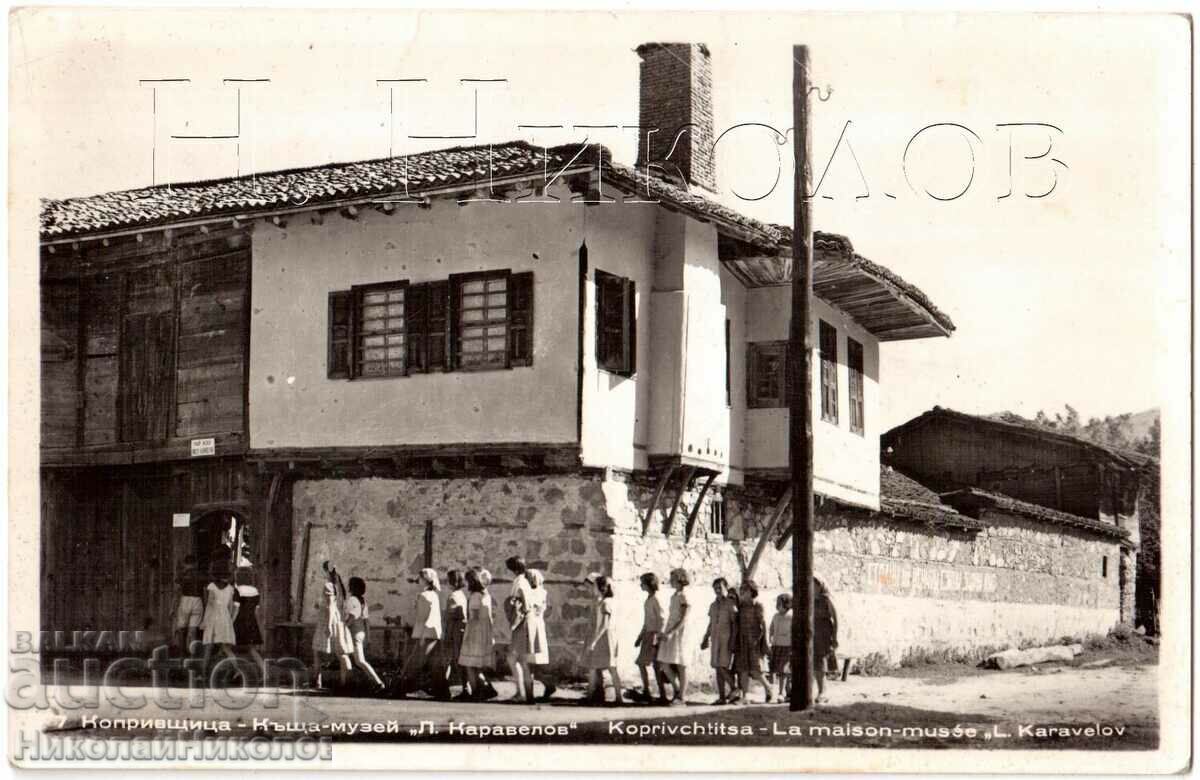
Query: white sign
204,447
181,520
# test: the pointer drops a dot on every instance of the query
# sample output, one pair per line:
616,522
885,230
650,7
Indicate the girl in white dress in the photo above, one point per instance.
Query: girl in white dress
330,636
671,652
531,646
219,609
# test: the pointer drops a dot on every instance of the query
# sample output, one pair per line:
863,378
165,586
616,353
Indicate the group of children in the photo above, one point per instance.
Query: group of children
455,644
447,646
737,637
219,612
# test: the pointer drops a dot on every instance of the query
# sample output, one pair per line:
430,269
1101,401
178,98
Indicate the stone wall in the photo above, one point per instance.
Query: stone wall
899,586
376,529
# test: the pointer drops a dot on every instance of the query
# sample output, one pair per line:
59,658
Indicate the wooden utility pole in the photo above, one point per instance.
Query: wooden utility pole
799,390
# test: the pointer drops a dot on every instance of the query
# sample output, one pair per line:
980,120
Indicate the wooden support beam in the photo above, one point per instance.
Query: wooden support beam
279,222
658,491
350,212
691,520
781,507
316,218
683,486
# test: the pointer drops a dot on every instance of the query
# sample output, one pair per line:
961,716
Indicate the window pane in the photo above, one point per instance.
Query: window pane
473,287
379,296
472,345
374,341
497,299
473,315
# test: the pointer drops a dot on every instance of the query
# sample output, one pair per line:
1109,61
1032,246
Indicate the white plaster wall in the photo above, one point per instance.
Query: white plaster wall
616,426
846,464
734,296
293,404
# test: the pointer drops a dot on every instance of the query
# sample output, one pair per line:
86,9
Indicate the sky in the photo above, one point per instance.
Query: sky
1076,297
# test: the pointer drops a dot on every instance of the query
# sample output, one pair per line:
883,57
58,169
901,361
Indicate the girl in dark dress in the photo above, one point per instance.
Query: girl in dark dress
824,634
246,631
455,623
751,640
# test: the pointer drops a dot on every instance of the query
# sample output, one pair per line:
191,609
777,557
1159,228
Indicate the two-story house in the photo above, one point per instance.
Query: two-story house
442,360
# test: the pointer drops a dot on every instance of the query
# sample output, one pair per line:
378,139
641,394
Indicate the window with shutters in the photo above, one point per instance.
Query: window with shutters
854,360
766,375
380,347
829,388
616,324
481,337
468,322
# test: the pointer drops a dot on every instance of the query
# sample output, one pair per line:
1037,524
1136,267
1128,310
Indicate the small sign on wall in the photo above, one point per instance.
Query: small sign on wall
181,520
201,447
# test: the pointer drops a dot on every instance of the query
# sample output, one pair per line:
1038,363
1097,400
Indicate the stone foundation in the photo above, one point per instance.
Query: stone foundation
899,586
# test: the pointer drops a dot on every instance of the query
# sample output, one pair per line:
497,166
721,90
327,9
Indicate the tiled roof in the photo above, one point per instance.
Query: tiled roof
893,484
413,175
167,203
972,499
1111,454
907,499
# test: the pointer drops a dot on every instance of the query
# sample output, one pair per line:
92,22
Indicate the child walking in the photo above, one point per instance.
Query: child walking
602,649
781,644
478,647
722,635
330,637
647,642
358,623
751,640
455,624
671,651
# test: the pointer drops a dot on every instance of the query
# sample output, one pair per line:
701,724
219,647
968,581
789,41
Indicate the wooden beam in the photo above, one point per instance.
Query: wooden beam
781,506
691,521
662,484
687,480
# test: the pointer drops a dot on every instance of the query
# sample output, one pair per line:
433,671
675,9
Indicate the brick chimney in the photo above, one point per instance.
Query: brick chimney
676,99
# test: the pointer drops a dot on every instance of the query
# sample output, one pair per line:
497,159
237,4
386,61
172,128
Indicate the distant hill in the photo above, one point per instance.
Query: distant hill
1139,424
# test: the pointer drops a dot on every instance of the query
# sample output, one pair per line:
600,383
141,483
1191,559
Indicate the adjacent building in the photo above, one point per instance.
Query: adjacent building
984,464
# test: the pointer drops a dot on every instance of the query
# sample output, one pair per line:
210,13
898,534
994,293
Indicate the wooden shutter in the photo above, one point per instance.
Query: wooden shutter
520,319
437,327
453,325
854,361
341,326
630,326
416,319
616,323
828,345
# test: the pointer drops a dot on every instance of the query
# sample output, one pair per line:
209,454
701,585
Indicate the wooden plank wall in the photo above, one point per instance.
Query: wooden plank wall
108,548
142,354
60,351
102,335
211,366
